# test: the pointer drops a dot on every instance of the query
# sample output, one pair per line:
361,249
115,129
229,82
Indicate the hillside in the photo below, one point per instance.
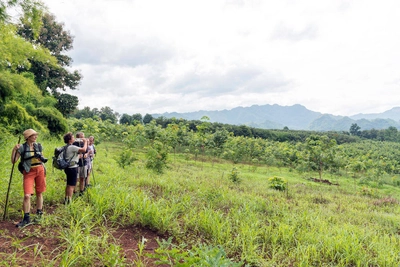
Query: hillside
296,117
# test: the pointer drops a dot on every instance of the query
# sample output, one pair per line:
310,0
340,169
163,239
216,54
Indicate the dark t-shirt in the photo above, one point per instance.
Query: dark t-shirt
82,161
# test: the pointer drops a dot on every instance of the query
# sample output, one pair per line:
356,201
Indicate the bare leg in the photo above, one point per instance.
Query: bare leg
81,183
39,201
69,191
27,203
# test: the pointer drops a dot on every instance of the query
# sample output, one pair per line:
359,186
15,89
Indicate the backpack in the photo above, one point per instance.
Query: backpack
60,160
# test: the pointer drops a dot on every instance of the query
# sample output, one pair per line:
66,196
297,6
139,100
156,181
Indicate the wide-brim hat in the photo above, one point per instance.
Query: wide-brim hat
28,133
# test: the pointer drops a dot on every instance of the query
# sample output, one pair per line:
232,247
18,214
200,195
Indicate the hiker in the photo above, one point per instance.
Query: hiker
72,171
34,173
82,163
91,151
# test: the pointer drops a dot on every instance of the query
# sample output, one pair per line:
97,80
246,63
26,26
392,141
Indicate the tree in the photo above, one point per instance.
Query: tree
67,104
53,37
147,118
319,152
21,102
106,113
86,112
391,134
125,119
355,129
137,119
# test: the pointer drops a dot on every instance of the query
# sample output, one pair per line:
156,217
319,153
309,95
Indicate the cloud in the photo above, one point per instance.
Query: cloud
283,32
235,81
156,56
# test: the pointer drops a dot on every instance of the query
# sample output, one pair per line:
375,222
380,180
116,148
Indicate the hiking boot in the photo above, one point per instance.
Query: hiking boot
23,223
38,217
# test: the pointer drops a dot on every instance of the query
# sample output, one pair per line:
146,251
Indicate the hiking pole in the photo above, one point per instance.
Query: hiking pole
9,184
94,181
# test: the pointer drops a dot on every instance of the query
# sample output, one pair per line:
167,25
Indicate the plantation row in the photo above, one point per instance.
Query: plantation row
371,160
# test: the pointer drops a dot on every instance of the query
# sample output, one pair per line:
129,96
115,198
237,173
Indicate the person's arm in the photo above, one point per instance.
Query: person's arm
83,149
15,154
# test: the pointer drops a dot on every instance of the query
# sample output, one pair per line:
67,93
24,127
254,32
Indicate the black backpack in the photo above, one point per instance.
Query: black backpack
60,160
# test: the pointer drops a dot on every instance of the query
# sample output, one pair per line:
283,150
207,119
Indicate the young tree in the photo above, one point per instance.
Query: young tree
319,153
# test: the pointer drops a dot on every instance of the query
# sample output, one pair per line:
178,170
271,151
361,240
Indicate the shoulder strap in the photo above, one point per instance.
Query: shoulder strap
39,146
23,153
65,153
25,149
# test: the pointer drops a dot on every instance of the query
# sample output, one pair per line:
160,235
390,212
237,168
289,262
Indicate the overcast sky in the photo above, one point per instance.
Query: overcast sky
156,56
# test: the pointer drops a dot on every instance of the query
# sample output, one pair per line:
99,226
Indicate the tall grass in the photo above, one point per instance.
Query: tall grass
200,207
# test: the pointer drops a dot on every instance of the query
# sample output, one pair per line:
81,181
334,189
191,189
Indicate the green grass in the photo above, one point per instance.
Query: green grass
203,210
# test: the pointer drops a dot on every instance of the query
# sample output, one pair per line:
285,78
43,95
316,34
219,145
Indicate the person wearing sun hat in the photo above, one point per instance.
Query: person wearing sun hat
34,173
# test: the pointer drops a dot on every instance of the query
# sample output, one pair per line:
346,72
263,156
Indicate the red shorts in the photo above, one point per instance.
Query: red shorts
35,177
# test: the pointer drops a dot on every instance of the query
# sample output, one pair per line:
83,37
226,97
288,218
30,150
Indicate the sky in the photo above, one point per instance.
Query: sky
156,56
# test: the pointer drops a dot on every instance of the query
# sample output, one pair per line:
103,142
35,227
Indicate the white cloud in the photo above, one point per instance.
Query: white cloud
153,56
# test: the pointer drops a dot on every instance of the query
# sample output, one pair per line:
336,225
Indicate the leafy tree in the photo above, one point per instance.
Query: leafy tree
86,112
137,119
391,134
20,98
67,104
157,156
106,113
32,12
53,37
355,129
319,153
147,118
125,119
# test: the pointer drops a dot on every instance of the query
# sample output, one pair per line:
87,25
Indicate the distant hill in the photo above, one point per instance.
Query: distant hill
296,117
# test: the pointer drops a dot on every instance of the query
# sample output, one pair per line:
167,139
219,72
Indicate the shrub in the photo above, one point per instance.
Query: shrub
277,183
234,175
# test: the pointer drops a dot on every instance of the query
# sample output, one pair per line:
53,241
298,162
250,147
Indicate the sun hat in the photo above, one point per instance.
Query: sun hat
28,133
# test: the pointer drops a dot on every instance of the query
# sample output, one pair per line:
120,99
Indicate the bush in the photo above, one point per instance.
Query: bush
234,175
278,183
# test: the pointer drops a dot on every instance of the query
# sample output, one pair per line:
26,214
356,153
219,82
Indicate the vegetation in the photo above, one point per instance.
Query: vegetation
221,195
228,209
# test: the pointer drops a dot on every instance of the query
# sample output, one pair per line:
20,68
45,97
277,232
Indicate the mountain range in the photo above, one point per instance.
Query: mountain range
296,117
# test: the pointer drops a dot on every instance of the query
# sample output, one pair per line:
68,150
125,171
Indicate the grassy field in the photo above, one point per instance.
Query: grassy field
207,218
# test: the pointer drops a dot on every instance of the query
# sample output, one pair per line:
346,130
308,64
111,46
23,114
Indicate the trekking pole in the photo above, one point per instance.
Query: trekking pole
9,184
94,181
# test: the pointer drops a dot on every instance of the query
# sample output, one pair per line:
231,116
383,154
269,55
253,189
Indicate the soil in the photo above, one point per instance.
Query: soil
324,181
14,240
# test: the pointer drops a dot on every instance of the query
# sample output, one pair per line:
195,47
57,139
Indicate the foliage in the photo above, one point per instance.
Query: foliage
202,255
156,157
234,175
15,51
125,158
53,37
212,222
106,113
147,118
355,129
320,151
277,183
66,104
